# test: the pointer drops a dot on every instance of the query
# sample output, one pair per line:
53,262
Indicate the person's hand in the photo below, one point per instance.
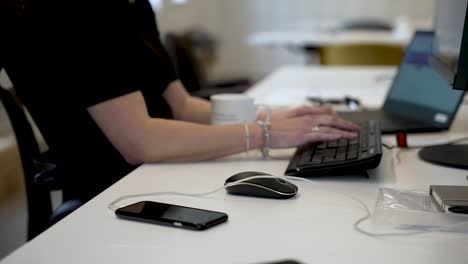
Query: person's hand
307,128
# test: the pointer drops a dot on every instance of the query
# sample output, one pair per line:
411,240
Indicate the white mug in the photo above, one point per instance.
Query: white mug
233,109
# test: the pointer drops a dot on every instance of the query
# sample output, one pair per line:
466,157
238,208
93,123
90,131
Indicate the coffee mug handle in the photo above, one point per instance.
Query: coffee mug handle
263,108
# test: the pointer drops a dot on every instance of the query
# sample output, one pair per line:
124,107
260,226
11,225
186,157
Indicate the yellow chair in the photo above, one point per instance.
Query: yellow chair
361,54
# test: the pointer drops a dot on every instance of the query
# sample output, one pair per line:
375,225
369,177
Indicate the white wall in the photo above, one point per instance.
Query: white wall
233,20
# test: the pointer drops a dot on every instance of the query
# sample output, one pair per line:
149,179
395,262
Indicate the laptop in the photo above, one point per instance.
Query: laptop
419,100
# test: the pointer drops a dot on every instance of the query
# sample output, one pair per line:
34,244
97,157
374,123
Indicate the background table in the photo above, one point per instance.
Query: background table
291,85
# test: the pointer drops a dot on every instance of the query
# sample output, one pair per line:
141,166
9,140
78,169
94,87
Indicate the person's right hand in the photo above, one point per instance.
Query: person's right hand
297,131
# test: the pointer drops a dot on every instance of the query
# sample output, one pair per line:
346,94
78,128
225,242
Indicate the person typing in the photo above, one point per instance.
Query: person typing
106,98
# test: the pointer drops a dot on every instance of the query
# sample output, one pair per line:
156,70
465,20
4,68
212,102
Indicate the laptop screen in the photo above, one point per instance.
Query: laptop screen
418,92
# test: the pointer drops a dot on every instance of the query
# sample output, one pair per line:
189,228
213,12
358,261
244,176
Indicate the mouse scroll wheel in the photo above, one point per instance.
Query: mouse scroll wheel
281,181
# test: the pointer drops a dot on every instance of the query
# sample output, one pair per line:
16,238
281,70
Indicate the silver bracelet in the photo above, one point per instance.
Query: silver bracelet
247,138
266,138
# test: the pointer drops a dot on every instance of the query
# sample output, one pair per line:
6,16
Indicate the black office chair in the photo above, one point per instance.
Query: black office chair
41,173
192,73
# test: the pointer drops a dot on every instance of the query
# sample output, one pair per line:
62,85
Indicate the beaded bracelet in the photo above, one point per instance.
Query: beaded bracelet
247,138
266,138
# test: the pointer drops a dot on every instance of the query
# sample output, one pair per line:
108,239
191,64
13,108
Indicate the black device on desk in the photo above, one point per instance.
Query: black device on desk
450,60
171,215
266,187
342,157
419,100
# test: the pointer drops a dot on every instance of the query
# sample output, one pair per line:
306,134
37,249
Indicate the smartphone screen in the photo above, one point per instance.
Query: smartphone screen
171,215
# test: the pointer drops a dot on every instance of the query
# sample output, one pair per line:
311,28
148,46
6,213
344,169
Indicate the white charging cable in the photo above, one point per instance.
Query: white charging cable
113,206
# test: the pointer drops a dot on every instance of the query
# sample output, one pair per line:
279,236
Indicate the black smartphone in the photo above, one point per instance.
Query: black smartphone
171,215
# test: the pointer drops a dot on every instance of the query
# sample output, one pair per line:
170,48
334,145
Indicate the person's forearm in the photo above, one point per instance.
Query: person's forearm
139,138
168,140
197,110
186,107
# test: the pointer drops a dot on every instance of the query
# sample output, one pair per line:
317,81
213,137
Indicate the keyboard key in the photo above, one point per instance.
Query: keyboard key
352,154
342,150
340,156
329,153
372,127
343,143
322,146
316,159
354,147
305,157
332,144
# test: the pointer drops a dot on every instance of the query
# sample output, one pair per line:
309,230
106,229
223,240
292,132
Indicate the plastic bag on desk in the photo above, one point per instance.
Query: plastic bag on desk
411,209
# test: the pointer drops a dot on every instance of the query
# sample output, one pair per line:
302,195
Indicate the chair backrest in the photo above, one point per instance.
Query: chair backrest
361,54
189,69
38,199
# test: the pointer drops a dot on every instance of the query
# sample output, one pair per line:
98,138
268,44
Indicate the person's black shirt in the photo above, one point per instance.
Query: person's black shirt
65,56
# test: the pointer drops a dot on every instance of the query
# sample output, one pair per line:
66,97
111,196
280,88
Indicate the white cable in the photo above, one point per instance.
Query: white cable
113,206
368,214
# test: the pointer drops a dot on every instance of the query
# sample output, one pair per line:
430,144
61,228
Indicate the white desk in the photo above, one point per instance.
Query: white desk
291,85
314,227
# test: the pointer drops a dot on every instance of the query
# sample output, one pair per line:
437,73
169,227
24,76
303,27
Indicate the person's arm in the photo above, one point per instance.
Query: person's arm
186,107
142,139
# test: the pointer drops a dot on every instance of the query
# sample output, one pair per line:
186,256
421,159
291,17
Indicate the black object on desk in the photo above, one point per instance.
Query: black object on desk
171,215
459,209
446,155
340,157
266,187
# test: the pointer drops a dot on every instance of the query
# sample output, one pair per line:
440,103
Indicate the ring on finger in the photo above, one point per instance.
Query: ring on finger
316,129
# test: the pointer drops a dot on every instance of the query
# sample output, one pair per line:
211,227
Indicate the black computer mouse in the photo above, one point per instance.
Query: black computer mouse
271,187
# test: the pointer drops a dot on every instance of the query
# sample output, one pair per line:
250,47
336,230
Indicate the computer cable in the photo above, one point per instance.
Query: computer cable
357,224
387,146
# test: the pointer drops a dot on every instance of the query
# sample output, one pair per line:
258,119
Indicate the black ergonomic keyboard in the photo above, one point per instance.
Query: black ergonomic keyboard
339,157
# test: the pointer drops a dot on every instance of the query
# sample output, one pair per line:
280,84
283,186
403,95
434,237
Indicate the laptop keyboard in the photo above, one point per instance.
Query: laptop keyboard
340,157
